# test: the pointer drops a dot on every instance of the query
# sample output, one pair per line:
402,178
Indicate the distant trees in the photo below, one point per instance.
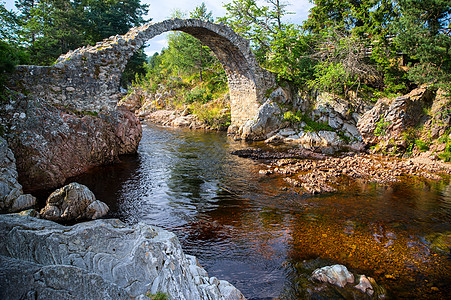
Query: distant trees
45,29
423,34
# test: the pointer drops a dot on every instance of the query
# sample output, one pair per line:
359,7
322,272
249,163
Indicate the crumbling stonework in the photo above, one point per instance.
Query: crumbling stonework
87,79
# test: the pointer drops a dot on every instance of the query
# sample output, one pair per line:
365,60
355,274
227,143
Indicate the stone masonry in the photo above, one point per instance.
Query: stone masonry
87,79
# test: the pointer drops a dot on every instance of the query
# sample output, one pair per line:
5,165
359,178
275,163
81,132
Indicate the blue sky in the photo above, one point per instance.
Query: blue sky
160,10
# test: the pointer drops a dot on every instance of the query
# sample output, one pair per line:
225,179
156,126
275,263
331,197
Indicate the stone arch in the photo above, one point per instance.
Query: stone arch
87,79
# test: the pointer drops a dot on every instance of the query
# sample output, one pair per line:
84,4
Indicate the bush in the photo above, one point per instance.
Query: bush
198,95
215,114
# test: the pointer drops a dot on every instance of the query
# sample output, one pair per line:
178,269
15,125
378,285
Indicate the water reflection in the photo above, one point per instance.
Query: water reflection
266,240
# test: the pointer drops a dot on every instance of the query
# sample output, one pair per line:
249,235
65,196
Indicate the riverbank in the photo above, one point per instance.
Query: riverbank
325,173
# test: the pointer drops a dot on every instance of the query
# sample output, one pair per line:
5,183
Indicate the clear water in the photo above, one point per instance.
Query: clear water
266,239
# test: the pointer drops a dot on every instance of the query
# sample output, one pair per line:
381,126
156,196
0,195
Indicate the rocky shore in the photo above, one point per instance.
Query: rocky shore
51,144
102,259
316,173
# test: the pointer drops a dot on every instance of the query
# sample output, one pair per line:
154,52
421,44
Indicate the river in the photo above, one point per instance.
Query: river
266,239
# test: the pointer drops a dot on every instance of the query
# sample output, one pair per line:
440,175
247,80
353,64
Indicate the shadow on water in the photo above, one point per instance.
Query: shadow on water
266,240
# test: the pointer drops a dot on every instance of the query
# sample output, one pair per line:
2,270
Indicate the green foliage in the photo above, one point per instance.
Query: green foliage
215,114
423,35
10,56
198,95
422,145
446,154
157,296
310,125
381,126
293,118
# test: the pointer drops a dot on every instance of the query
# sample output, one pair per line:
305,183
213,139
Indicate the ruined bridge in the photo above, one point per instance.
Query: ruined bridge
87,79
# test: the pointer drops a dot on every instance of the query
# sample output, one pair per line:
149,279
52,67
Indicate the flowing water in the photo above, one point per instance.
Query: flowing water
265,238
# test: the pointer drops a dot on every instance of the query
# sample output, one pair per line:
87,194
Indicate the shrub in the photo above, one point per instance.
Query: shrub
198,95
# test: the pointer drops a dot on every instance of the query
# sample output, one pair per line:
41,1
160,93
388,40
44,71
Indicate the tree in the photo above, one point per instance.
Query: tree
49,28
258,23
423,33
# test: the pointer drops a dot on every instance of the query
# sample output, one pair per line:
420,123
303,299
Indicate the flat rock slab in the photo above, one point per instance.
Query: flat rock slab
106,254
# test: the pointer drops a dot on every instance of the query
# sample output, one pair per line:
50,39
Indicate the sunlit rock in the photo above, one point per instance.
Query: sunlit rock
71,202
336,274
102,259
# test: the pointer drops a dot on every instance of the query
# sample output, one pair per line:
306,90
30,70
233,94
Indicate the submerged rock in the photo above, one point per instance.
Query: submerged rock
46,260
72,202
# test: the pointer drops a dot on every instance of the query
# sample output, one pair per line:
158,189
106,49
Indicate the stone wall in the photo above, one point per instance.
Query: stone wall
87,79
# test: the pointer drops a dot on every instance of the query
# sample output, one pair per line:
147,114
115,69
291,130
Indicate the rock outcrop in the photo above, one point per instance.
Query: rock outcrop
52,144
389,119
73,202
46,260
12,198
268,119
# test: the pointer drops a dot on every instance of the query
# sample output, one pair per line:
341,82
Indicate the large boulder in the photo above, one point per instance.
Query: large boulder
72,202
12,198
52,144
388,119
51,261
268,119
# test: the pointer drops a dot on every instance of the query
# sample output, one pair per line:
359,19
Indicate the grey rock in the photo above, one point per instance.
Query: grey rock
12,198
102,254
365,285
72,202
352,131
335,122
21,279
336,274
268,119
280,95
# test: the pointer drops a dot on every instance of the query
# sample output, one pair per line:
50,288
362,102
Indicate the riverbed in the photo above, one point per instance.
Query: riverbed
266,238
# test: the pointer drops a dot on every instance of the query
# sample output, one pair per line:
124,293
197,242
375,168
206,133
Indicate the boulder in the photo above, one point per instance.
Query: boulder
281,95
51,144
72,202
47,260
388,119
336,274
269,118
365,285
12,198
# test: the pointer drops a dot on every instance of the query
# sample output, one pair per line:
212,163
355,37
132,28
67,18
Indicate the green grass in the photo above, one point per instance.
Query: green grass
311,126
157,296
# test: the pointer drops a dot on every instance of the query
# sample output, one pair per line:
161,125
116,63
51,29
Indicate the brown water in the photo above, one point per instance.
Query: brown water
266,239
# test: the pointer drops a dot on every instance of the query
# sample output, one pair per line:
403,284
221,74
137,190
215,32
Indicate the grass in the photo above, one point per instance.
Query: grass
381,126
310,125
157,296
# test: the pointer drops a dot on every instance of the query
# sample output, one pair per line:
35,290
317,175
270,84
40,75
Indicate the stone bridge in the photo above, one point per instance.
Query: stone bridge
87,79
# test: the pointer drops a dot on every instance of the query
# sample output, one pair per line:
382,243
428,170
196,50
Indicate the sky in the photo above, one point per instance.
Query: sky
160,10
